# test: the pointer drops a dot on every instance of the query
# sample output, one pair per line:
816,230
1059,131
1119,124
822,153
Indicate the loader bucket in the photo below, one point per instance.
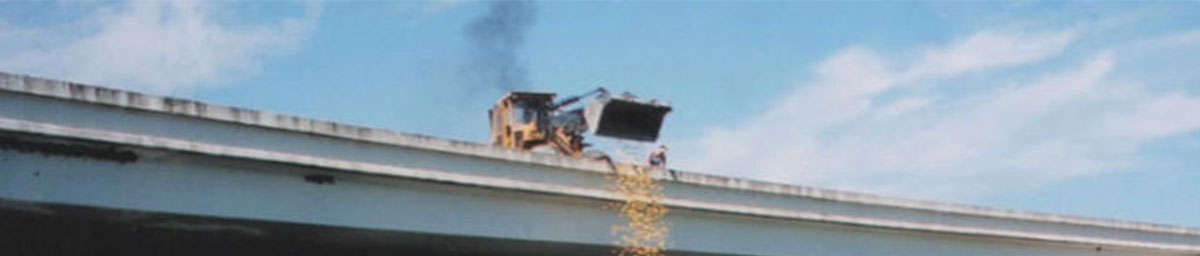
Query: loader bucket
629,119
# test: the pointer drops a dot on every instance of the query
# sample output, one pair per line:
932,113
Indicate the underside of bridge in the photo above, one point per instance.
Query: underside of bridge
57,229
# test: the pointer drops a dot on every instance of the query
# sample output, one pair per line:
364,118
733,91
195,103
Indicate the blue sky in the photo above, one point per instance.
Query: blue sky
1078,108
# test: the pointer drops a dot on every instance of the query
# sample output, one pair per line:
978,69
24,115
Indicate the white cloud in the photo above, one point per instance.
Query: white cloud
861,124
157,46
990,49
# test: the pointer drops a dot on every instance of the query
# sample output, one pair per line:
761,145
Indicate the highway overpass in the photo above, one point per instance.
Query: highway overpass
89,170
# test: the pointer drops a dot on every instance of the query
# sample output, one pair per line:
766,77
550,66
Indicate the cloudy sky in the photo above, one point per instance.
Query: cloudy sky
1078,108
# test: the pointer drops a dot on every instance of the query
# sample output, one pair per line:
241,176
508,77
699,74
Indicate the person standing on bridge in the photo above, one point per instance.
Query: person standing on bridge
658,158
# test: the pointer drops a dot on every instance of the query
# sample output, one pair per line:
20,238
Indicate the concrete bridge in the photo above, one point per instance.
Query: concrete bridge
89,170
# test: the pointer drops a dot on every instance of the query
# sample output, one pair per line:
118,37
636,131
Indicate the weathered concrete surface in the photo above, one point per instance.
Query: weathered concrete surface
199,159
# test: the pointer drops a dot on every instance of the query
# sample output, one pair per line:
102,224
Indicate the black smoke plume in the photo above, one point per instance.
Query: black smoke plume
496,39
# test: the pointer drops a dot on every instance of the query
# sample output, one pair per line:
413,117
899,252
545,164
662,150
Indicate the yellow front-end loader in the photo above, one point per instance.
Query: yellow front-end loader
534,121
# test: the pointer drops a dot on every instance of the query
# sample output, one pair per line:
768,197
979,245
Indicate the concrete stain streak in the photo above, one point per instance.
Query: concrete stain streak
74,150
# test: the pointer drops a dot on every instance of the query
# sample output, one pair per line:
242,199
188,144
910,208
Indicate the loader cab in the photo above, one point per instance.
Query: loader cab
525,112
517,118
528,107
